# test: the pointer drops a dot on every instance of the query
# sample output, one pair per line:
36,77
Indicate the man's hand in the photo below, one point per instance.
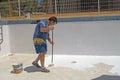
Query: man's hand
51,28
51,42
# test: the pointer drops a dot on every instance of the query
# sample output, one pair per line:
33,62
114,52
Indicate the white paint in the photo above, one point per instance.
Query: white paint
85,68
5,46
84,62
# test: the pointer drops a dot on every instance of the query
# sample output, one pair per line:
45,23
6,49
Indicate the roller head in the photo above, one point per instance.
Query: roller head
50,65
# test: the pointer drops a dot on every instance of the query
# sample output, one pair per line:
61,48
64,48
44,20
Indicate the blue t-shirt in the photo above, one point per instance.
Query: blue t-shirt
38,34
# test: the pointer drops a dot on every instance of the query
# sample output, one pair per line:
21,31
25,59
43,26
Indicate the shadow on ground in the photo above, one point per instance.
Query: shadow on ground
30,69
107,77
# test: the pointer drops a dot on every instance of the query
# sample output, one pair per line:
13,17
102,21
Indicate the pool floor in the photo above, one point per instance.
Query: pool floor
66,67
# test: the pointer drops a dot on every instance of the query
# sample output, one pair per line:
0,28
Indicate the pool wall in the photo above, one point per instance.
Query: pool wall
82,38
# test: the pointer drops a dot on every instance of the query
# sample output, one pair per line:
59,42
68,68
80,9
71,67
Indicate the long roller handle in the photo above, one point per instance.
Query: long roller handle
52,46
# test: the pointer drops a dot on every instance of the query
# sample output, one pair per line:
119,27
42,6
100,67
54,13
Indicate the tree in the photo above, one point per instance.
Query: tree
3,0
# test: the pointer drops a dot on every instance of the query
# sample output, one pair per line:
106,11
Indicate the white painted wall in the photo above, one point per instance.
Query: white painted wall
84,38
5,46
21,38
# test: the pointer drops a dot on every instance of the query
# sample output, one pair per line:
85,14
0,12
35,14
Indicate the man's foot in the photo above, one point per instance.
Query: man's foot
44,69
36,64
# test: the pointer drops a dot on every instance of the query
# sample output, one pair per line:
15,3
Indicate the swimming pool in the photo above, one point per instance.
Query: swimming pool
80,47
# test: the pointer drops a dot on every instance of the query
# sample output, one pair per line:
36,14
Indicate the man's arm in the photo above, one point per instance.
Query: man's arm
51,42
49,39
46,29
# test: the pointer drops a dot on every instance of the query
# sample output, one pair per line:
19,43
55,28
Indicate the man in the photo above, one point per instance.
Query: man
39,3
41,35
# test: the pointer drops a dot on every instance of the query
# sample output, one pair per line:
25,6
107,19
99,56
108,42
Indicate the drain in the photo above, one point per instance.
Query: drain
74,62
10,54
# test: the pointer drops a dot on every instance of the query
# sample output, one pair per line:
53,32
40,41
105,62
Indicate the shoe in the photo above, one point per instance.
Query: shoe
44,69
36,64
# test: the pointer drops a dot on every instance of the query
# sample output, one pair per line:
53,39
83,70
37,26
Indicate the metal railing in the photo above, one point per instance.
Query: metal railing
1,32
22,7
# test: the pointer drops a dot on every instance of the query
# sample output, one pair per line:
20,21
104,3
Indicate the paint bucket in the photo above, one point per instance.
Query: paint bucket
17,68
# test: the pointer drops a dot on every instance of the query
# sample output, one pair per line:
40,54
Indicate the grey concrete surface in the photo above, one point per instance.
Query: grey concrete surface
80,38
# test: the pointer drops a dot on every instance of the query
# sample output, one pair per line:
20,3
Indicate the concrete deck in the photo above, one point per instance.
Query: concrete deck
64,15
72,67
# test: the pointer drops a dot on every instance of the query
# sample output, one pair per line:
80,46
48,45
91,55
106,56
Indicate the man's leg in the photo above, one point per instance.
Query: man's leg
42,58
35,63
38,58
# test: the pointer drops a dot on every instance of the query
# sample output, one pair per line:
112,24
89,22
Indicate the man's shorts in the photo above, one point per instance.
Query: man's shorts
40,45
